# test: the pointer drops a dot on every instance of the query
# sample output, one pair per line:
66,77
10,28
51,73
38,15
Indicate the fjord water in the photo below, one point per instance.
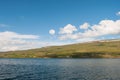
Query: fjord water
59,69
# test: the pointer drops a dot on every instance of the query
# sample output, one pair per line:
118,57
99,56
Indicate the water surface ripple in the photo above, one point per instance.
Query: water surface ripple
59,69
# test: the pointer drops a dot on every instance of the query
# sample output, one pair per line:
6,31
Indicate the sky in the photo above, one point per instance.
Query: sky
27,24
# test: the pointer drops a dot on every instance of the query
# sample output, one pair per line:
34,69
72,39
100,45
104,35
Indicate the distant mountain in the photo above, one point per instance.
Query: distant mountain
94,49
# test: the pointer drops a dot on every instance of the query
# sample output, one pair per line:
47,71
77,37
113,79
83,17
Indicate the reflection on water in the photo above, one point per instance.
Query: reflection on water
60,69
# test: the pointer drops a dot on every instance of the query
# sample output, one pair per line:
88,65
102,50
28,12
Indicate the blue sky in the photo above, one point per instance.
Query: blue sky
63,17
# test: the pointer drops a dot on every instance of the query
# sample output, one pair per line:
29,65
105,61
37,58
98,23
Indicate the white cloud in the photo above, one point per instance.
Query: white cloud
69,36
118,13
84,26
10,41
86,39
11,35
104,27
68,29
52,31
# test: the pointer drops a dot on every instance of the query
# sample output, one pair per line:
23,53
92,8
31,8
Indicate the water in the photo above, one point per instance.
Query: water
59,69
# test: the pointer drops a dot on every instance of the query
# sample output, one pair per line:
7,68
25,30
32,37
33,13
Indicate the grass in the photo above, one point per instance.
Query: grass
81,50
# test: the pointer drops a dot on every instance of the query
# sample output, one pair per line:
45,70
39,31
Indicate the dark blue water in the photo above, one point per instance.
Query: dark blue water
59,69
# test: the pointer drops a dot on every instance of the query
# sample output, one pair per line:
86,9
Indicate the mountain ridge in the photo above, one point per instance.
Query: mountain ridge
94,49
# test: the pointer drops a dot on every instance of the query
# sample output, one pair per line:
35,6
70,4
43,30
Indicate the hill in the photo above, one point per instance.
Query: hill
96,49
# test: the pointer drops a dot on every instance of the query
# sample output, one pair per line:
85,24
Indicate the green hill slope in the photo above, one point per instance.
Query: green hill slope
96,49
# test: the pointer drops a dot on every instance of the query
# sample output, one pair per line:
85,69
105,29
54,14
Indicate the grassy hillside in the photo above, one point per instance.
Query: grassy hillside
82,50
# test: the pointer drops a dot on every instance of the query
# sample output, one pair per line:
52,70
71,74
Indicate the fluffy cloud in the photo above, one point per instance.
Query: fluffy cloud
104,27
118,13
52,31
13,35
68,29
84,26
68,36
10,41
86,40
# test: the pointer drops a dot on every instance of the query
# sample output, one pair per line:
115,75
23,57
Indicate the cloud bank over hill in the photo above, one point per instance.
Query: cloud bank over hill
10,41
104,27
